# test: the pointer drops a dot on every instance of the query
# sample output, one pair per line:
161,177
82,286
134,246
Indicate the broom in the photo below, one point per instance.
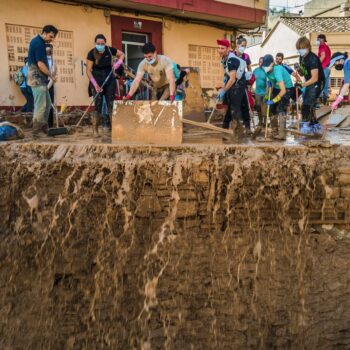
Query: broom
57,130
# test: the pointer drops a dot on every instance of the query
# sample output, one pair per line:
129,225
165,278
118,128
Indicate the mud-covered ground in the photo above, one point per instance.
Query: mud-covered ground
192,247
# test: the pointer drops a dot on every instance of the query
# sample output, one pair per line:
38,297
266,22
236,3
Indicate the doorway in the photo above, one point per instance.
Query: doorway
132,44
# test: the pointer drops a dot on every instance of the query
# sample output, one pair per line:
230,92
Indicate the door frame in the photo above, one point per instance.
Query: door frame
154,30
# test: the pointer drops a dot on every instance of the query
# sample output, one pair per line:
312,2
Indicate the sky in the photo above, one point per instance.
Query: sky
293,5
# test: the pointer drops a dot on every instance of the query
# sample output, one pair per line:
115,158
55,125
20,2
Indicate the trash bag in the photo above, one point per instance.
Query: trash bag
9,131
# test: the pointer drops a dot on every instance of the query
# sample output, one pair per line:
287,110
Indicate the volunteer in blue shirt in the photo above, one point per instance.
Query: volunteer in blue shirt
27,90
260,92
282,87
341,62
38,78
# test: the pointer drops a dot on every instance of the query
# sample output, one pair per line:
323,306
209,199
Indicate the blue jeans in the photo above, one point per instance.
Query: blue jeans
27,93
42,106
327,73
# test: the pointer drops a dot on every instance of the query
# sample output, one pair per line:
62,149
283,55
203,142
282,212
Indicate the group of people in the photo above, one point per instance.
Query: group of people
273,80
104,66
274,84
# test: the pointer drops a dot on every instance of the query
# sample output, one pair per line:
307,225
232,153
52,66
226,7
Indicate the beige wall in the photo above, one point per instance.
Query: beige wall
178,36
85,24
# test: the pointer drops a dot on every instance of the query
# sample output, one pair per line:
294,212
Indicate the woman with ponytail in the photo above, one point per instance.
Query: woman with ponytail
101,60
341,62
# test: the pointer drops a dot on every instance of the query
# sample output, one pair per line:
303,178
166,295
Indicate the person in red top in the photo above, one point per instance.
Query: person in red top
324,53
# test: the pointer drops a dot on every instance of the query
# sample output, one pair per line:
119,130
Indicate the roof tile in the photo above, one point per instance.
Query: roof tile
304,25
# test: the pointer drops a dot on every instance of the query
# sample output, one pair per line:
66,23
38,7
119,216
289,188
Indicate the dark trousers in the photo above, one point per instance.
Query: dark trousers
282,106
234,99
245,110
311,94
109,94
28,94
52,95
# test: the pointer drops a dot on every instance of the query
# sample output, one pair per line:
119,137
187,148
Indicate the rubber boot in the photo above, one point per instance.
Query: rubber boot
282,120
96,119
274,125
36,129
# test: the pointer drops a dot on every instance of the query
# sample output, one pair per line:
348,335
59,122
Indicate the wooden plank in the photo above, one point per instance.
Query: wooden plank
322,112
207,126
298,133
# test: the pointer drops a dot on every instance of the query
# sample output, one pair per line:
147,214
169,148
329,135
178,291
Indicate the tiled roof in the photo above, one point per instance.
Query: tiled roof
304,25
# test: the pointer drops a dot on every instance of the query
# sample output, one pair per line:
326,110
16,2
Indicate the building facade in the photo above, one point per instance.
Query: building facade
186,31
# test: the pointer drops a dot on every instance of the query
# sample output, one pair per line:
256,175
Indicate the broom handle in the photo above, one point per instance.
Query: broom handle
101,89
267,113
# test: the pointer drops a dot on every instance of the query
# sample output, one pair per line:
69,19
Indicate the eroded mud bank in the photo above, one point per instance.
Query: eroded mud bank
109,247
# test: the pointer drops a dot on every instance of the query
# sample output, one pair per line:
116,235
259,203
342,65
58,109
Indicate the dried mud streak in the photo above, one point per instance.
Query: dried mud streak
108,247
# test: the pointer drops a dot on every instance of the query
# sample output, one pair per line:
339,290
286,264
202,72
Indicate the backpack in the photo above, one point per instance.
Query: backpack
241,69
19,77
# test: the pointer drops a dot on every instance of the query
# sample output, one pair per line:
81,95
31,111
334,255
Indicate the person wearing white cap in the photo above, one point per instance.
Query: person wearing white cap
278,79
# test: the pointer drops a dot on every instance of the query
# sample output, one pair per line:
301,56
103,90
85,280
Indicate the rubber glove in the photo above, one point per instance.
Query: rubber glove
127,97
117,64
337,101
221,95
172,98
94,83
275,100
248,75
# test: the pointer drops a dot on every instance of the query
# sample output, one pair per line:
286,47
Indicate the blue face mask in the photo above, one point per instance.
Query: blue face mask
100,48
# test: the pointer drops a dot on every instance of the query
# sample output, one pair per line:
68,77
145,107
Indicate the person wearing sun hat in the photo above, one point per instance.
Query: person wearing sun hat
282,88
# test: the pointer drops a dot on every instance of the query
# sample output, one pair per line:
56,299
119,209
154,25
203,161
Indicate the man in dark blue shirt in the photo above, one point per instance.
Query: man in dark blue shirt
38,75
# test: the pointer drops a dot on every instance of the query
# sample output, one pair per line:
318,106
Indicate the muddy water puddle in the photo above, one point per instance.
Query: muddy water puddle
191,136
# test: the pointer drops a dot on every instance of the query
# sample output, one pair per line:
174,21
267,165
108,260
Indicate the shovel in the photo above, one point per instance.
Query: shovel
213,110
58,130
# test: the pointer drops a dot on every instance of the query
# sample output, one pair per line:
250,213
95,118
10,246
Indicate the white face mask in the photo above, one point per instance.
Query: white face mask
241,49
318,43
267,69
302,52
152,61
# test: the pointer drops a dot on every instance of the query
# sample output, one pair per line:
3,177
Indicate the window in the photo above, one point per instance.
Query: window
336,82
132,47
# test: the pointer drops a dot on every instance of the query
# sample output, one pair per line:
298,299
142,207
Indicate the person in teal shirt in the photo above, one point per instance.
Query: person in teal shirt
281,84
260,92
